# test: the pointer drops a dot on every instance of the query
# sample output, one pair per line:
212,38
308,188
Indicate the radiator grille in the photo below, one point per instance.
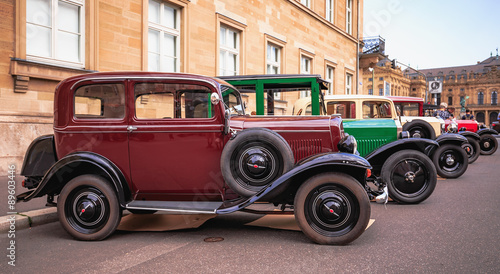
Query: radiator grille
304,148
366,146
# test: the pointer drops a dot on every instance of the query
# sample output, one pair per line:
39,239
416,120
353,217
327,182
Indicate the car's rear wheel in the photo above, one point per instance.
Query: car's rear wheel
451,161
253,159
410,176
420,129
472,149
88,208
332,208
488,143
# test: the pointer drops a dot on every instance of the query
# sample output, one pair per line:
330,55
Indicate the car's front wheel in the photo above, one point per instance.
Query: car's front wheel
451,161
332,208
88,208
488,143
472,149
410,176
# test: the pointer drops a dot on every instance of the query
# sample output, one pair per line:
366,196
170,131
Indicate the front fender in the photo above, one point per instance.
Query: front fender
344,160
378,157
76,164
487,131
471,134
453,138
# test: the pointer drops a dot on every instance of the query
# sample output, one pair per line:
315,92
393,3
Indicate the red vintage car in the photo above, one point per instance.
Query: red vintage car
182,144
485,137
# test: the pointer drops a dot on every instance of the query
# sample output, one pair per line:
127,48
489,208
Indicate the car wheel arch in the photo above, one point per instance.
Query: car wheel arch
76,164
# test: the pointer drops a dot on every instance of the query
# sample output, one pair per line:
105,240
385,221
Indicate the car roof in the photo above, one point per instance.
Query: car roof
358,96
405,99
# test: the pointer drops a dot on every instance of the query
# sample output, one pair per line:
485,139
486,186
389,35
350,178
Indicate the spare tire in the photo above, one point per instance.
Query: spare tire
253,159
420,129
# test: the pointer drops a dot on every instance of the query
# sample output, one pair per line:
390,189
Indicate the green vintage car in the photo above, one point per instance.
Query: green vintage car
402,166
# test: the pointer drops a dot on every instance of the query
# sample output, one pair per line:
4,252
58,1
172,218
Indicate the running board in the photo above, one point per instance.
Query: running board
176,207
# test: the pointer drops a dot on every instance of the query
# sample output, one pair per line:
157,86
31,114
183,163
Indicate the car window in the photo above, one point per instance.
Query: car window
170,101
347,109
409,109
100,101
376,109
232,99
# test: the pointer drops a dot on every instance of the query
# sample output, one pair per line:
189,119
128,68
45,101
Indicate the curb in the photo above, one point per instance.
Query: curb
28,219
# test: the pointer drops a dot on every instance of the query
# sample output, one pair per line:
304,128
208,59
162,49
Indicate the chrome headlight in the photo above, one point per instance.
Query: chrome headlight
442,123
453,127
348,144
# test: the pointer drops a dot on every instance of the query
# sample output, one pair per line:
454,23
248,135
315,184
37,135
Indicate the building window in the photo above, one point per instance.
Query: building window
348,16
330,10
305,68
273,59
381,91
306,3
348,84
330,76
480,98
229,51
381,78
450,100
55,31
494,97
450,90
163,37
370,91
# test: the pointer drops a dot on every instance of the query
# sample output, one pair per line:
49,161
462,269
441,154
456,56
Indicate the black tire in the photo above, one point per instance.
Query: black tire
332,208
141,211
96,202
253,159
488,143
410,176
451,161
420,129
472,149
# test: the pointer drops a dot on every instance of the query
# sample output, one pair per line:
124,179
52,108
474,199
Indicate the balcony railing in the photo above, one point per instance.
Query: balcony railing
374,44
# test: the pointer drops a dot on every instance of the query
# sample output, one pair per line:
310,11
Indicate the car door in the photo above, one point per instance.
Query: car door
175,141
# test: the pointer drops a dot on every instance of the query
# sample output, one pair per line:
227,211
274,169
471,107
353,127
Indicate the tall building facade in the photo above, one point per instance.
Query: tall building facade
475,86
45,41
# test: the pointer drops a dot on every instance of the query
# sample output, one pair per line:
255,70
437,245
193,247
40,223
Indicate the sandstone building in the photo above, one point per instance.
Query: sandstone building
45,41
477,84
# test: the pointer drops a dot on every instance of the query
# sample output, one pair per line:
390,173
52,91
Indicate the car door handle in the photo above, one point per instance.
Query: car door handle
131,128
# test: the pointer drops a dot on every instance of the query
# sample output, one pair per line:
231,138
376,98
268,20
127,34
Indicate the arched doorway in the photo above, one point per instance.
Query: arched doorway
493,116
480,117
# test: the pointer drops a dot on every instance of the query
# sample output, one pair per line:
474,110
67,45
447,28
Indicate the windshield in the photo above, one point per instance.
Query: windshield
232,100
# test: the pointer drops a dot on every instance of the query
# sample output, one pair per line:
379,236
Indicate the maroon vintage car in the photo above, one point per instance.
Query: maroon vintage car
182,144
472,130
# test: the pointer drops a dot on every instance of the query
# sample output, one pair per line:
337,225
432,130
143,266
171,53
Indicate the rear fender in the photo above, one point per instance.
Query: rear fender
77,164
39,157
378,157
487,131
286,186
451,138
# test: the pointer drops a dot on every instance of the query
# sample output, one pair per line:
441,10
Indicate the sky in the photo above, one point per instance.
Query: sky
435,33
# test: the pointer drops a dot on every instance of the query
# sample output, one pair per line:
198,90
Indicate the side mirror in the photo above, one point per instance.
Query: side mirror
214,98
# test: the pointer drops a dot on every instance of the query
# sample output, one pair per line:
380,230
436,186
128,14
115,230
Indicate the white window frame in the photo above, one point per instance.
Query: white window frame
306,3
330,76
348,16
348,84
271,63
330,10
163,29
227,50
305,68
54,7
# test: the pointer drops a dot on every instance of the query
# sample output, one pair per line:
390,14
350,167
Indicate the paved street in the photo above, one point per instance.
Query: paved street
457,230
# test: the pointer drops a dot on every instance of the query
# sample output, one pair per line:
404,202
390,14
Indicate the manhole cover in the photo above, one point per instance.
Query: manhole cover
213,239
